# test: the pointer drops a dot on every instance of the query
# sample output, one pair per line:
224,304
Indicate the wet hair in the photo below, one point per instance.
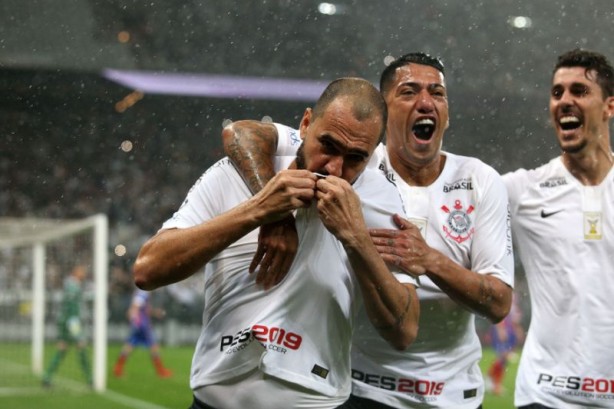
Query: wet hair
590,61
366,101
412,58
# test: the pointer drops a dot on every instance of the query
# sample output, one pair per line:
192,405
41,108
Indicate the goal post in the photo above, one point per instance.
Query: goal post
38,235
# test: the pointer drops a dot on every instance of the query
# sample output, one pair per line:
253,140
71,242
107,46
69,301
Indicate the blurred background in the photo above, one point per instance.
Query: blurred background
117,106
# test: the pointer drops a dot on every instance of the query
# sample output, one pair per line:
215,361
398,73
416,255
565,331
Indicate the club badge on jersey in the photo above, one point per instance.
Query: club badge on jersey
459,226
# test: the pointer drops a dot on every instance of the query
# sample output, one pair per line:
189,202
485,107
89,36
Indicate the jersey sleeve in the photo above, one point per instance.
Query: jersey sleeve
515,183
380,201
205,200
288,140
492,251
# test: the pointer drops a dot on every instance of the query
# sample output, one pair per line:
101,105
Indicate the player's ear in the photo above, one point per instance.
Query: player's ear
609,108
305,122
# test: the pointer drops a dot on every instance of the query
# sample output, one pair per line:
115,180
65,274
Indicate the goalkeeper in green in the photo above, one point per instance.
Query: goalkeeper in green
69,327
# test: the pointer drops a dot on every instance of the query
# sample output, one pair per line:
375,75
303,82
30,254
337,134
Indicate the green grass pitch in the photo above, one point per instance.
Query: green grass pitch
140,388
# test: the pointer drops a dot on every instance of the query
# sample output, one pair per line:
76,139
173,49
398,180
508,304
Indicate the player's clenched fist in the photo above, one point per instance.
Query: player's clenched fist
289,190
339,207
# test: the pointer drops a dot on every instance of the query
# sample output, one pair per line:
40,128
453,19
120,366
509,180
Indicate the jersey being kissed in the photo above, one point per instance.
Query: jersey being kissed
463,214
300,330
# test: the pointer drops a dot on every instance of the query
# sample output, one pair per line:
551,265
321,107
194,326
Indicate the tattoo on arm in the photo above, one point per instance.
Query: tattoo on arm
251,151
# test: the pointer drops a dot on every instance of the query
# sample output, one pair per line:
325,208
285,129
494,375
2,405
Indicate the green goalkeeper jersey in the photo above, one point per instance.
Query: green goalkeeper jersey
69,321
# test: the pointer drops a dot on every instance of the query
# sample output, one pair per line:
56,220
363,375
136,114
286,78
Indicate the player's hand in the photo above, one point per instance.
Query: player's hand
277,246
404,248
289,190
339,208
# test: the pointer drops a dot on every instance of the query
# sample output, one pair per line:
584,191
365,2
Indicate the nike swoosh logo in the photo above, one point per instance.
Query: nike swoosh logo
545,214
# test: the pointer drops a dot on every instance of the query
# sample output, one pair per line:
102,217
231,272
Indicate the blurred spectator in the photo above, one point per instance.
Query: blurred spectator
142,334
505,338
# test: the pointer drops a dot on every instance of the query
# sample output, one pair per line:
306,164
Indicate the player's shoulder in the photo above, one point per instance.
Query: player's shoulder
140,297
220,173
547,173
288,140
461,170
372,181
221,166
469,164
377,191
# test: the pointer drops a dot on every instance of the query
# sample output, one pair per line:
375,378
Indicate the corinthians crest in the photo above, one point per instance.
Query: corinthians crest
459,226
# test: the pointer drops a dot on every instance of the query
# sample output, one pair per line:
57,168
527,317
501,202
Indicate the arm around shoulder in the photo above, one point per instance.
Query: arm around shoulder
250,145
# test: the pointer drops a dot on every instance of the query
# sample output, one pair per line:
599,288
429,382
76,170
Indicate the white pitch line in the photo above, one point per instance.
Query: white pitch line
24,391
129,402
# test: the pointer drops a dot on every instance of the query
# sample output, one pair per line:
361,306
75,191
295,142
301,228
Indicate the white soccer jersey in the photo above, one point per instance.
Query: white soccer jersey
564,233
299,331
464,214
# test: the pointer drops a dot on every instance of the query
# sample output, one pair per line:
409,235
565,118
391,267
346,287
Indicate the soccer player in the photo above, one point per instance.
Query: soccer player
505,337
563,225
70,330
142,334
457,240
289,346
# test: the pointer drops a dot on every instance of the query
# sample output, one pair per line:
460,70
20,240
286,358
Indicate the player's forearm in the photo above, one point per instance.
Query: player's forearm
250,145
484,294
173,255
391,306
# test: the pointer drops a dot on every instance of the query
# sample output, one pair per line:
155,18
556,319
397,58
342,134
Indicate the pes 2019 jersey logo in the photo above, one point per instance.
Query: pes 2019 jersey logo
271,337
459,224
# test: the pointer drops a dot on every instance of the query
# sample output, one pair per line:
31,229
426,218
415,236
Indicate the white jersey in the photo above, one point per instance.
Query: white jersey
300,330
564,233
464,214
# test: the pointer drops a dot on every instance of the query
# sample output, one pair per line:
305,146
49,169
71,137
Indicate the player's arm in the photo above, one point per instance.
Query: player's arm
251,145
392,307
481,288
483,294
174,254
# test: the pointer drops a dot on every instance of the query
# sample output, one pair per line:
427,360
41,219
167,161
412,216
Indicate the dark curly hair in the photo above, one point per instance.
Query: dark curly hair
590,61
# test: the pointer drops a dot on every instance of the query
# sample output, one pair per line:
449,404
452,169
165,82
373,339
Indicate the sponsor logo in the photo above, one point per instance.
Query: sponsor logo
389,175
585,387
461,184
421,389
272,338
554,182
545,214
459,226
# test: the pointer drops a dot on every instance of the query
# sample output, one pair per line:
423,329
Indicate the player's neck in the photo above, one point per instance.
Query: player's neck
590,167
420,174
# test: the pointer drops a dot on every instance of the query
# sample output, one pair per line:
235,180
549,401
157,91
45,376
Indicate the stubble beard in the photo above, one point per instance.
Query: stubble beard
300,157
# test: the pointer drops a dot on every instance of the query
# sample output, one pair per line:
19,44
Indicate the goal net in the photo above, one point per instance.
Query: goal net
36,258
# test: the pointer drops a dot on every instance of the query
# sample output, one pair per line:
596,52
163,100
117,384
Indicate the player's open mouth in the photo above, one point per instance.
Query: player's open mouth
423,129
570,122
